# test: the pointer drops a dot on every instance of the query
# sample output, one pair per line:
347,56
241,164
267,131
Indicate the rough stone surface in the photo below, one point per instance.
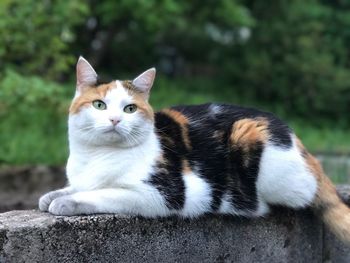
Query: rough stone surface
334,251
286,236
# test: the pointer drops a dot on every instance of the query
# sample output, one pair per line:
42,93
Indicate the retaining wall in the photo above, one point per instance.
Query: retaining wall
284,236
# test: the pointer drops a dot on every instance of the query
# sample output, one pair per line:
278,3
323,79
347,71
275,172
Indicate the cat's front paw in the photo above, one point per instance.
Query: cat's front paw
64,206
46,199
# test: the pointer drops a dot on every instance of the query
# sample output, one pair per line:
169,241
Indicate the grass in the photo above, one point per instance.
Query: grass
38,135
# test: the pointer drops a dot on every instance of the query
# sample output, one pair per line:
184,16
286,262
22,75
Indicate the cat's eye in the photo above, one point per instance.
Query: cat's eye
131,108
99,104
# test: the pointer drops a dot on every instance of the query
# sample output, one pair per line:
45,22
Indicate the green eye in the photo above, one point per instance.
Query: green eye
99,104
131,108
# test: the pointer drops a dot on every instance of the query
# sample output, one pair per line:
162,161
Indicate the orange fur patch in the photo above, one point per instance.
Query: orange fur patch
247,132
90,94
327,202
98,93
334,212
183,122
186,167
312,163
127,84
143,106
140,99
326,195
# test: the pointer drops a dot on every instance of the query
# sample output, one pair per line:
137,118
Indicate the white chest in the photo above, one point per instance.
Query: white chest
97,168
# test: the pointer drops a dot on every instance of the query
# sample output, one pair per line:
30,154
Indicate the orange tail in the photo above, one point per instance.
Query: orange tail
327,203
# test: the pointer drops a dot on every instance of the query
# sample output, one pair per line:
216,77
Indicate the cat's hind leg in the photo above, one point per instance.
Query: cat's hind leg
266,170
247,141
284,178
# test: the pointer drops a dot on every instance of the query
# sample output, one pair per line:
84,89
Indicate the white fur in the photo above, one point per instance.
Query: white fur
108,165
226,206
92,168
93,127
112,179
197,195
263,207
284,178
101,154
215,109
141,200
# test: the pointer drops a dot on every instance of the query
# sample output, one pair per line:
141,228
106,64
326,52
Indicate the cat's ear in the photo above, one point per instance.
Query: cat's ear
86,75
144,81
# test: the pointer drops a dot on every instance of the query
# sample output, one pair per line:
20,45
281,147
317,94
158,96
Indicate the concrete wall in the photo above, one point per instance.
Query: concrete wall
284,236
31,236
21,187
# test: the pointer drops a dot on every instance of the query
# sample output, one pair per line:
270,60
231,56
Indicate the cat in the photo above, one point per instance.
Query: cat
185,160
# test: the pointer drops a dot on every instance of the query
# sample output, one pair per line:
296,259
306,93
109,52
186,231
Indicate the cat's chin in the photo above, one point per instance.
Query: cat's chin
113,133
111,130
117,139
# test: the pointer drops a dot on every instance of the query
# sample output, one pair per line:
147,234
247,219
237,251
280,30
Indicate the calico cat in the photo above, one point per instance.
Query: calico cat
184,160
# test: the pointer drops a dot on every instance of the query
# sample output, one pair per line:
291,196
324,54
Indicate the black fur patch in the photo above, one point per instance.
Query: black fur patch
168,178
243,175
102,80
227,168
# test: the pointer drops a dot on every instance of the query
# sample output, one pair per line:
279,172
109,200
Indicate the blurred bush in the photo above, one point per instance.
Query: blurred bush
33,120
130,35
298,57
292,54
290,57
36,35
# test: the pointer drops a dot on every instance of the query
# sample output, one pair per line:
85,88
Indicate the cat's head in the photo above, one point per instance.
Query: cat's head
116,113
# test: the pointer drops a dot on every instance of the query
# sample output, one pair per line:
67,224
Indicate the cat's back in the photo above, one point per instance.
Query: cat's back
214,120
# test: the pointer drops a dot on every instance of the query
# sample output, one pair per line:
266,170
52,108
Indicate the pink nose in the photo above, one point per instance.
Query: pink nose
114,121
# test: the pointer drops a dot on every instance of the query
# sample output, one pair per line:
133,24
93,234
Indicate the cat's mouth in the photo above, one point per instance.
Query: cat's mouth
110,130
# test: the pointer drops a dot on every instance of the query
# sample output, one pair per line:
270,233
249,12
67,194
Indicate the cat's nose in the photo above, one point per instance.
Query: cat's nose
114,121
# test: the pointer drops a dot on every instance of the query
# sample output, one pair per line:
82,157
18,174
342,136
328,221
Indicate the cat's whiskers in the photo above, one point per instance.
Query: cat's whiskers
86,128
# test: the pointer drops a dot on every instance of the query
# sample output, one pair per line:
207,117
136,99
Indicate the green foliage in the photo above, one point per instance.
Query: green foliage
289,57
294,53
32,120
297,56
35,35
23,94
134,34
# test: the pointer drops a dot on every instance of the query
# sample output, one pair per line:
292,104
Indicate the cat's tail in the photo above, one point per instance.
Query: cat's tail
327,203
